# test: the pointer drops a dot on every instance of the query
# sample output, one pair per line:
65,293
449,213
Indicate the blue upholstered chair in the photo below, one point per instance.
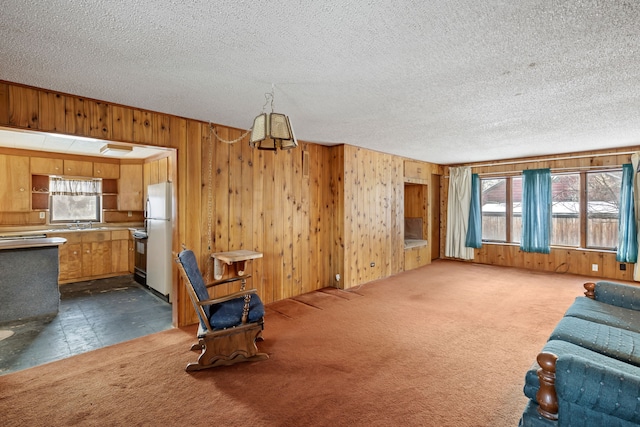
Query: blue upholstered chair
229,325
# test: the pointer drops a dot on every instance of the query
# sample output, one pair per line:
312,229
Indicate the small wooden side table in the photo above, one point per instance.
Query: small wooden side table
238,258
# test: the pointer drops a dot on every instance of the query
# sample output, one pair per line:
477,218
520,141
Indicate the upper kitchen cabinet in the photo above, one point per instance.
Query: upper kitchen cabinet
15,179
106,170
78,168
130,188
46,166
417,172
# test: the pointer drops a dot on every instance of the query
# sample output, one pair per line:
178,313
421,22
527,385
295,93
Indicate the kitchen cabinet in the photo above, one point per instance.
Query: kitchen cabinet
96,253
15,194
130,188
39,192
132,253
46,166
70,257
106,170
78,168
415,257
120,251
96,258
417,172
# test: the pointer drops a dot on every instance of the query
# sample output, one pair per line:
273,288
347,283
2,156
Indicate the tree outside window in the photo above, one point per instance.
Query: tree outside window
603,208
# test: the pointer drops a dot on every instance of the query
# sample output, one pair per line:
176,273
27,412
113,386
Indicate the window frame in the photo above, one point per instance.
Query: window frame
507,209
582,203
586,216
98,205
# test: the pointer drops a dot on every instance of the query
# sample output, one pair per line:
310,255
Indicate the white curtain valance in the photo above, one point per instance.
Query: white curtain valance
75,187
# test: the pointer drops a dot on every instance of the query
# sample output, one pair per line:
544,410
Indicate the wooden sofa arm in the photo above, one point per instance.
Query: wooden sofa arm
546,396
590,290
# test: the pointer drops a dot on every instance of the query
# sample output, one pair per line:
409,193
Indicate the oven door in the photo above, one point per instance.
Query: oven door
140,260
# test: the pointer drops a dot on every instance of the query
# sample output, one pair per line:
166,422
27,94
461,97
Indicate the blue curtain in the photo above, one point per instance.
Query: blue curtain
536,210
474,232
627,240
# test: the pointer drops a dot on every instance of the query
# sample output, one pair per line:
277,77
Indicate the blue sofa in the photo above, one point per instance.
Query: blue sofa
588,373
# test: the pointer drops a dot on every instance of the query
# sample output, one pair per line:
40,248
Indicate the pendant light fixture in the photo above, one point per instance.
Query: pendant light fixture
271,131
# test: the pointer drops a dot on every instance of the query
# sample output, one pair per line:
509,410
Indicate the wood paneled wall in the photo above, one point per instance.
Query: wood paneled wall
314,211
280,204
369,241
561,260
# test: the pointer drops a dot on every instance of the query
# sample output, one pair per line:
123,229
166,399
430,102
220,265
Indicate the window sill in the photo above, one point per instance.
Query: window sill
556,247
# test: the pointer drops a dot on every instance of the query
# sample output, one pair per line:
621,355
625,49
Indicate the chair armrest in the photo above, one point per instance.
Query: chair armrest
229,280
618,294
229,297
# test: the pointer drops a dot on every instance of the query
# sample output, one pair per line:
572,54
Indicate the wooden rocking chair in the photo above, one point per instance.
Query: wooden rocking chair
229,325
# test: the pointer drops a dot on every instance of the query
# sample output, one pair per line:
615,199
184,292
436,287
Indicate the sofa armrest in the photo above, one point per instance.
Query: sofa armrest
618,294
574,387
600,388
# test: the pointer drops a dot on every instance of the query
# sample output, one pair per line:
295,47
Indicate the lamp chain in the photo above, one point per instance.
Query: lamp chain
210,205
269,98
212,129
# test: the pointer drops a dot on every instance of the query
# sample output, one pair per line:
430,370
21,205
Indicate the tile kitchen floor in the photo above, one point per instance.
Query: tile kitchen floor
92,315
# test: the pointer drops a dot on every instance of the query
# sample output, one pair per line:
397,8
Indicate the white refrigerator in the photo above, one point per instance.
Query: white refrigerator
158,226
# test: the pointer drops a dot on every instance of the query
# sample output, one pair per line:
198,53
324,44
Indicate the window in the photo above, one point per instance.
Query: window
494,212
565,210
75,199
603,198
516,209
584,210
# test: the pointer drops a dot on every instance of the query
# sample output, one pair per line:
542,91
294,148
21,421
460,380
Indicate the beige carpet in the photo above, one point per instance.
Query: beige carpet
443,345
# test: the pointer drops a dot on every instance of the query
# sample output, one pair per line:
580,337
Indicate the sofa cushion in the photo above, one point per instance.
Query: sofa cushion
625,296
229,313
591,390
574,415
614,342
562,349
606,314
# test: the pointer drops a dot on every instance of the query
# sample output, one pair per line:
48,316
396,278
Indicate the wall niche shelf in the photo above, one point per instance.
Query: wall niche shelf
39,192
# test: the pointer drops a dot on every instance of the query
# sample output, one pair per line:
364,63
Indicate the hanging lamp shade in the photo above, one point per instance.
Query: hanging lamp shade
272,131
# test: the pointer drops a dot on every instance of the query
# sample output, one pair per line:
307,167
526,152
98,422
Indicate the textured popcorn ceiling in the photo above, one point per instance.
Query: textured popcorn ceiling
441,81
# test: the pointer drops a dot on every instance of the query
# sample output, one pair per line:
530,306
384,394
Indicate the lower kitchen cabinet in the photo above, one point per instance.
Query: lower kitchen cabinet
96,258
120,251
415,257
93,254
70,256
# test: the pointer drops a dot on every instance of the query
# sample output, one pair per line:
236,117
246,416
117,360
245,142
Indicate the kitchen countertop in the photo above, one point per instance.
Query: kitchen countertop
37,242
30,232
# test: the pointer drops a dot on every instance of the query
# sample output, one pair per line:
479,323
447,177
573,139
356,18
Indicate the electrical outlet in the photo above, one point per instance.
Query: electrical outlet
41,215
594,267
129,213
337,277
623,267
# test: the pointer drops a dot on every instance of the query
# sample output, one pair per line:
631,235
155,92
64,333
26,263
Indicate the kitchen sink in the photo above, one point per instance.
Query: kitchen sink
57,230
